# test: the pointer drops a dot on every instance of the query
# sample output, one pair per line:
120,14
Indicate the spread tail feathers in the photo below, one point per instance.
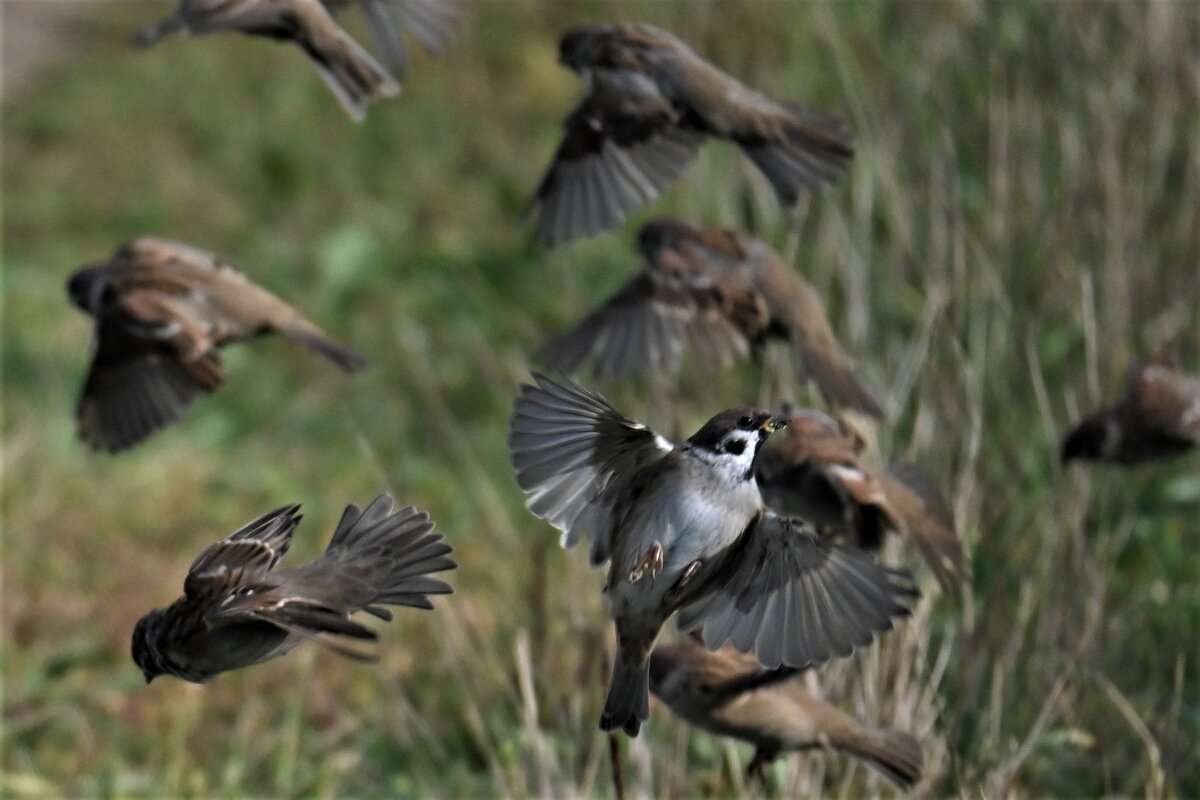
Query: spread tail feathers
628,703
395,552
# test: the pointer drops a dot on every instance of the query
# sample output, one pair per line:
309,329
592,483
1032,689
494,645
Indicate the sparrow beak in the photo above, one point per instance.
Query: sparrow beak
149,676
772,424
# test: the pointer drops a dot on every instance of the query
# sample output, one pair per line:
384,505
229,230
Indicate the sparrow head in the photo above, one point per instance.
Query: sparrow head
1097,437
90,288
583,48
734,436
662,234
145,652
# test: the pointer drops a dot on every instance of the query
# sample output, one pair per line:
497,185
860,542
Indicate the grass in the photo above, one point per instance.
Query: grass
1018,225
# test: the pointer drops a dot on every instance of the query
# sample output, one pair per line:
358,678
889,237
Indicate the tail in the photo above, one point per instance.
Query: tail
349,70
835,379
312,337
394,552
628,703
815,152
894,754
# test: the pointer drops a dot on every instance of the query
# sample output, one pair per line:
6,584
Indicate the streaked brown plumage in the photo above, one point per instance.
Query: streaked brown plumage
814,471
704,688
237,610
685,534
650,104
1158,417
162,310
714,294
353,75
433,22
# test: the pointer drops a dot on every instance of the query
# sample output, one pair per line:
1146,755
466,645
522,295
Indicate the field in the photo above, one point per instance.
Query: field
1019,225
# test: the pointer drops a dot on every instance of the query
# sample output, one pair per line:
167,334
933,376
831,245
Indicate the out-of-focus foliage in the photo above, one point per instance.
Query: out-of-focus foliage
1019,223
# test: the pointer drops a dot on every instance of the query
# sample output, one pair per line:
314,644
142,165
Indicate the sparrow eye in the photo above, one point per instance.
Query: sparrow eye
735,446
745,422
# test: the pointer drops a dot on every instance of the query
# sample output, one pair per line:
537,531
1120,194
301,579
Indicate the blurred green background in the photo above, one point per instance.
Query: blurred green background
1019,224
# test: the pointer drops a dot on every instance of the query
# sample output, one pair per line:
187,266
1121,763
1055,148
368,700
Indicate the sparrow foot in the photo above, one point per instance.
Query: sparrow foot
652,561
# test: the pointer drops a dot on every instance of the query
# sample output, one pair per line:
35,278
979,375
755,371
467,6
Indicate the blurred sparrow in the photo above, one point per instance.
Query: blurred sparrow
716,294
813,471
684,529
237,610
349,70
1158,417
650,102
433,22
722,693
162,310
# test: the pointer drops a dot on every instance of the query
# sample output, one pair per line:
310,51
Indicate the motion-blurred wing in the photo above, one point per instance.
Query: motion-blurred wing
622,147
927,518
245,556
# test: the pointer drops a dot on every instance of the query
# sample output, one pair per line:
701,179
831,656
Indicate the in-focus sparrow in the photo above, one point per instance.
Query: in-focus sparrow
1158,417
814,471
236,610
684,529
351,72
162,310
650,103
433,22
721,693
715,293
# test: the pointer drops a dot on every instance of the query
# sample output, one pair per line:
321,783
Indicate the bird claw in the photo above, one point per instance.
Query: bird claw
652,561
688,574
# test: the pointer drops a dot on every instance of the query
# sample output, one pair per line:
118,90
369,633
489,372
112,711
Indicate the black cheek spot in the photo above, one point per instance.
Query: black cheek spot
736,447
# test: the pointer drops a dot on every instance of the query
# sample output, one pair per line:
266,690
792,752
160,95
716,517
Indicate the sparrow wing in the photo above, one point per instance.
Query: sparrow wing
795,148
647,326
136,385
622,147
924,514
433,22
794,598
245,556
574,453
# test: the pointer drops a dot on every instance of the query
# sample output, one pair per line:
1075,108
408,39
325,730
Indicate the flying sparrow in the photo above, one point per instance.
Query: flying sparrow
237,610
684,529
650,103
351,72
814,471
728,694
162,310
716,293
433,22
1158,417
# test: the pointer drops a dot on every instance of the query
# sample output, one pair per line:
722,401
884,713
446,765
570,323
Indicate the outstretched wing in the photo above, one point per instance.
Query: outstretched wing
573,453
795,599
245,556
622,147
649,325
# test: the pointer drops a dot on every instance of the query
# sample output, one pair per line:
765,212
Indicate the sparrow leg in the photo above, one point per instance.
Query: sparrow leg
653,561
688,573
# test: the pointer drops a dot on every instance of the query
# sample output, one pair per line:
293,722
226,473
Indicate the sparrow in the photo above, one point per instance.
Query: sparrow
718,294
728,694
433,22
351,72
237,610
650,103
814,472
684,529
1158,417
162,310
